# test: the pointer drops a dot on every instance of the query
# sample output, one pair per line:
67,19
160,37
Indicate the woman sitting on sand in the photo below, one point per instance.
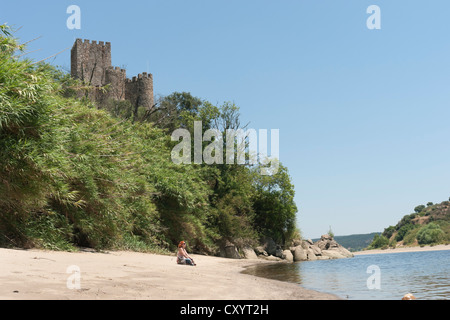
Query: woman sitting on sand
182,256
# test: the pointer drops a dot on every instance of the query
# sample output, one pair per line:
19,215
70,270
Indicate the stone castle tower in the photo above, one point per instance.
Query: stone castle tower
91,63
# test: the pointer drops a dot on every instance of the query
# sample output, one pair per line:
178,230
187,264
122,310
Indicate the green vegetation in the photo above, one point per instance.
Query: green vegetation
419,208
379,242
330,232
430,234
403,231
73,174
410,237
428,225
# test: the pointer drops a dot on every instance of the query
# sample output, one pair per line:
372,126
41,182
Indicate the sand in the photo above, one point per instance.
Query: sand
48,275
404,249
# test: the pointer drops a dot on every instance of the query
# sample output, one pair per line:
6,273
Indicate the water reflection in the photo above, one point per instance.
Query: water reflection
277,271
424,274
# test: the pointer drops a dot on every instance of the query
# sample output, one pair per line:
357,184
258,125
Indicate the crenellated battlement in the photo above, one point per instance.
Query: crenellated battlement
93,42
141,76
91,63
117,69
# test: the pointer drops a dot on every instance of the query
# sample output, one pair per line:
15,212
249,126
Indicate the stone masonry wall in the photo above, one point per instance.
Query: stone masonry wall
116,78
139,91
91,63
90,60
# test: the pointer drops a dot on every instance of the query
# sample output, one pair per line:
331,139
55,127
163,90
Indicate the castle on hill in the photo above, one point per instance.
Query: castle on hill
91,63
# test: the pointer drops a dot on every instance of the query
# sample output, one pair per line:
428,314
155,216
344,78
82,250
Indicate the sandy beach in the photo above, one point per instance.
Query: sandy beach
404,249
48,275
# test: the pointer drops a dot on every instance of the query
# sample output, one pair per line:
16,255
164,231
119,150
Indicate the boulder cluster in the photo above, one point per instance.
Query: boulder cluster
300,250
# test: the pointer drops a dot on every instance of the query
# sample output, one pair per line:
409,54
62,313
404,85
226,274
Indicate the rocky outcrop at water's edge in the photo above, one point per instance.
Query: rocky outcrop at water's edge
300,250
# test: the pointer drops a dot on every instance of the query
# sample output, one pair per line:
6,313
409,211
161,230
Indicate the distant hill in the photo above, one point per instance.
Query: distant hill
428,225
355,242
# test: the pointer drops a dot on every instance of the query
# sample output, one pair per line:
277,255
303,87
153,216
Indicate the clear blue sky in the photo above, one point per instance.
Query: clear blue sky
363,114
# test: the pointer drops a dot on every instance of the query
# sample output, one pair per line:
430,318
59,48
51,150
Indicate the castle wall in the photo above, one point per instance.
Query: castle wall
116,78
91,63
90,60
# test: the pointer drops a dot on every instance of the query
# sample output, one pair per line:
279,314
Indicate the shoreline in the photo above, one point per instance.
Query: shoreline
404,249
124,275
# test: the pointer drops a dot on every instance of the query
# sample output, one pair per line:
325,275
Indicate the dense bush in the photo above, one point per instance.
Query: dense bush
379,241
410,236
430,234
389,231
419,208
406,220
403,230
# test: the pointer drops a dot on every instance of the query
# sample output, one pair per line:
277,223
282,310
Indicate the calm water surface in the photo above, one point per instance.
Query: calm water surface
424,274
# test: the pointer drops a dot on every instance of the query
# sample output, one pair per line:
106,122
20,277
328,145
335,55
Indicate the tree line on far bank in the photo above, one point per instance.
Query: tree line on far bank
76,174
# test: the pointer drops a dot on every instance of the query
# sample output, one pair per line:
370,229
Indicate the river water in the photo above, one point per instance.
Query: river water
387,276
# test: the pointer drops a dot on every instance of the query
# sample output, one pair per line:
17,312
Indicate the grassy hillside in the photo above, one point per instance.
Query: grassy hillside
428,225
77,174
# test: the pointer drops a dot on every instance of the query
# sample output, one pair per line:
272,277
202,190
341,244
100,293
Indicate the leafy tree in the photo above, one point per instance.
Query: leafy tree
419,208
179,110
379,241
275,209
430,234
389,231
403,230
405,220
